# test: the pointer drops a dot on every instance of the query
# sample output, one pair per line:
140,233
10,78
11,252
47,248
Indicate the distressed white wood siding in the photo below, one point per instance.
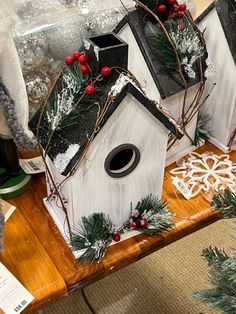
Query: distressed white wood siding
137,64
222,103
91,189
173,104
184,146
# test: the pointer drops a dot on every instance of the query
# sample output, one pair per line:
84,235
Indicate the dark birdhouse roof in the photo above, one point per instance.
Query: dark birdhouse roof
168,83
226,10
77,135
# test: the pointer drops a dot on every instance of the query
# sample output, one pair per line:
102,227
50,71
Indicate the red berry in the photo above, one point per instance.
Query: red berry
143,223
83,59
172,1
180,15
106,71
76,55
175,8
161,8
90,90
84,69
69,60
133,225
116,237
181,27
182,7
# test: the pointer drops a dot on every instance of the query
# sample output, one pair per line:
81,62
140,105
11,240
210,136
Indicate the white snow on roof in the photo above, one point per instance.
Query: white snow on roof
119,84
62,160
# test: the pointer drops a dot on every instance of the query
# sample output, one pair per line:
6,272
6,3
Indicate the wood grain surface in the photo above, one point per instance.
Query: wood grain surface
28,261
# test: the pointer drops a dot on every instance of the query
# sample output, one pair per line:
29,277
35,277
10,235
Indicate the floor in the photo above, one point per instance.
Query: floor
161,283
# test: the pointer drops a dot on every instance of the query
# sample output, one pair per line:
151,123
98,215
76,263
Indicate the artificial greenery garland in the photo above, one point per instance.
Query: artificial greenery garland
223,277
226,202
96,232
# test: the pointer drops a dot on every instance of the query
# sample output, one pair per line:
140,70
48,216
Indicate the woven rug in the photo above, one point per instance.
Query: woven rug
161,283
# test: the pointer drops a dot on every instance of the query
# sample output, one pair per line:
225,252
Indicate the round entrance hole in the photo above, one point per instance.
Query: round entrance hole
122,160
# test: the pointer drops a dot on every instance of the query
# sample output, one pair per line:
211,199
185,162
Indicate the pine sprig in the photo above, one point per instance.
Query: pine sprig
155,213
203,131
223,278
218,300
68,100
226,202
94,234
150,202
188,44
97,231
161,48
214,256
73,117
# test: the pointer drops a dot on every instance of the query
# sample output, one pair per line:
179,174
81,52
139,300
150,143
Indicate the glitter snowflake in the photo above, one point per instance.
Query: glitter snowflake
207,171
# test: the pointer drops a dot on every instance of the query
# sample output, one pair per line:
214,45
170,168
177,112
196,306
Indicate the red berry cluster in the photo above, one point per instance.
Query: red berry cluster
82,59
137,220
143,223
178,10
90,89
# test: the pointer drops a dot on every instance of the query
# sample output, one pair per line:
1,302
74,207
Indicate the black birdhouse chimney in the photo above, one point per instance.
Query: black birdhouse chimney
106,50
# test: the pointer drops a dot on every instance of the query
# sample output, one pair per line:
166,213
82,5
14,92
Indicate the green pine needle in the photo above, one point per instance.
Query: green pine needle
150,202
203,131
94,234
68,101
74,116
226,202
162,49
223,278
189,46
155,211
214,256
218,300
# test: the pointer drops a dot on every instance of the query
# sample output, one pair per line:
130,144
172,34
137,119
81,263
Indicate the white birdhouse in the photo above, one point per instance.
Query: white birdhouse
219,22
126,159
163,86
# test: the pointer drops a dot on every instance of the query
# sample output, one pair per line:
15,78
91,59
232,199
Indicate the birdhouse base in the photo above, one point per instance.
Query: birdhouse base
222,147
15,186
59,219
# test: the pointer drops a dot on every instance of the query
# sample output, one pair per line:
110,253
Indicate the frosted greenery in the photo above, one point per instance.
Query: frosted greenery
222,269
95,232
226,202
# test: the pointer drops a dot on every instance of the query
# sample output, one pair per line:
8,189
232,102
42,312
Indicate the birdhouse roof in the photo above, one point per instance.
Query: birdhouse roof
68,145
226,10
168,83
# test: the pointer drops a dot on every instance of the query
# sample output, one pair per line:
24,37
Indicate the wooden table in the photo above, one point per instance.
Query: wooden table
36,253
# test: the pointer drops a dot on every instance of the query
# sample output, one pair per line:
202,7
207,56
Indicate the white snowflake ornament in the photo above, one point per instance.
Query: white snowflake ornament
206,172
